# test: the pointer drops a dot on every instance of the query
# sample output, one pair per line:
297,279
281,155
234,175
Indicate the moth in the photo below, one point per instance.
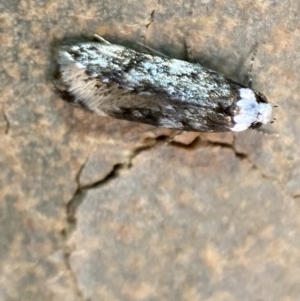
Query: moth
120,82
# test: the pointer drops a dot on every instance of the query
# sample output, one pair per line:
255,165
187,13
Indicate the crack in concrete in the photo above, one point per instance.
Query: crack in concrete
262,173
73,205
78,197
75,200
254,166
114,172
74,276
243,156
7,126
69,229
151,20
231,146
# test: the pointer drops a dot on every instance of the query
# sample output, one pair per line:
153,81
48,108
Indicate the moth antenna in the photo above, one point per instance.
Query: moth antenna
251,67
188,53
264,132
100,39
151,50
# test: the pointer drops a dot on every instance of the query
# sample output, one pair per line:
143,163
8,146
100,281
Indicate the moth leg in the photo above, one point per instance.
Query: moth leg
151,50
100,39
188,53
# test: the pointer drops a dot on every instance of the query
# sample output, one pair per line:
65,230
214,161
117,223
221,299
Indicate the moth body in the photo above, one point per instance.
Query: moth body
120,82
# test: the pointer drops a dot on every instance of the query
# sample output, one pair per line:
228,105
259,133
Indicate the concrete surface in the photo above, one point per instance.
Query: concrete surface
99,209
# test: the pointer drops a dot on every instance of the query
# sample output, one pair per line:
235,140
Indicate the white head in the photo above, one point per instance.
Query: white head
253,110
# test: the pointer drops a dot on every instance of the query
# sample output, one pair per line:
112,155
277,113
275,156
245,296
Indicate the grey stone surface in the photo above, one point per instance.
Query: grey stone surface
93,208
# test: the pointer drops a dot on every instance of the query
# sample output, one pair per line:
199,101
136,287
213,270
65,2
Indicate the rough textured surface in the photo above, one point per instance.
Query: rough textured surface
99,209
